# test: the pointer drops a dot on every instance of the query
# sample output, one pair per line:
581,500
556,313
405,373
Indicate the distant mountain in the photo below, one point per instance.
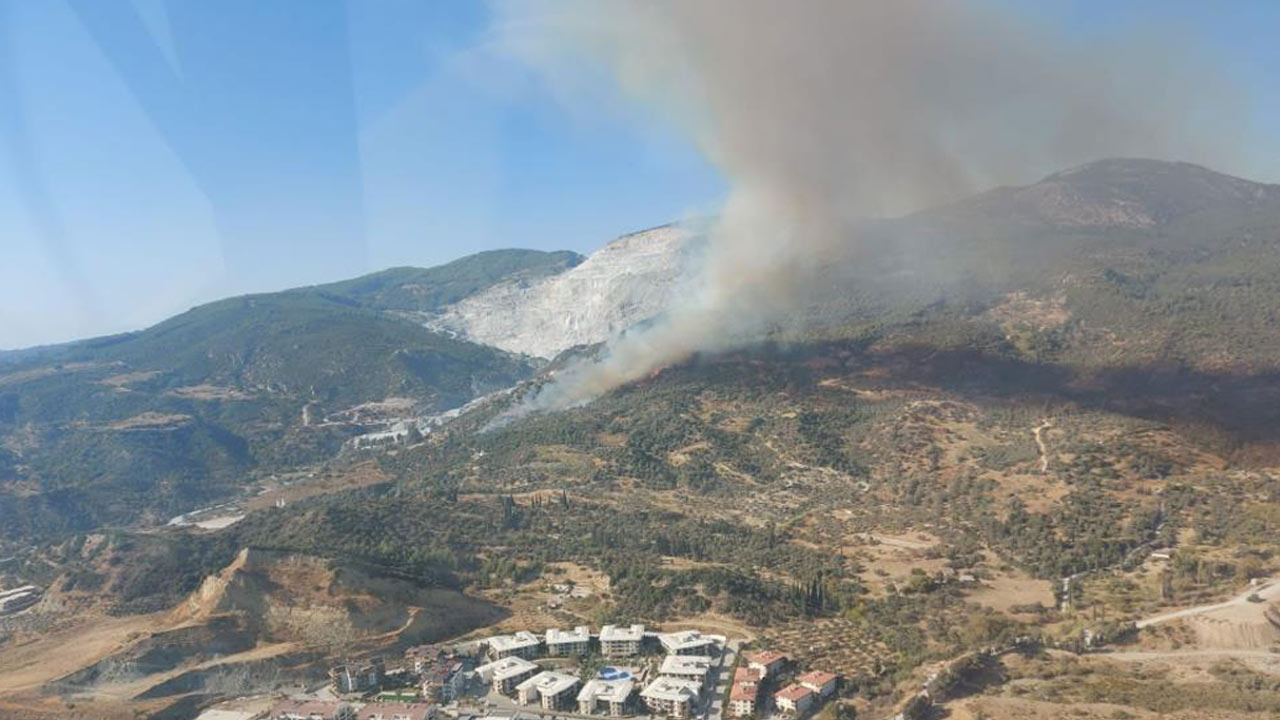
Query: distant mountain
1120,193
1115,264
156,422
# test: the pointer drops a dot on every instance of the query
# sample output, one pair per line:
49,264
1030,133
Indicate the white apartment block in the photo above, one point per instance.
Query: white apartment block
562,643
621,642
523,644
689,642
608,696
686,667
671,697
551,690
503,675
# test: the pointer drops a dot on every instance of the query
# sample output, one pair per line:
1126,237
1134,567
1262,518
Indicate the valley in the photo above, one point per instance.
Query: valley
1077,381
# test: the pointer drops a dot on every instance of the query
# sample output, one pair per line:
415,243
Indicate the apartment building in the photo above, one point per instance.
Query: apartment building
551,690
689,642
621,642
686,667
794,699
822,683
503,675
767,662
523,644
610,697
565,643
671,697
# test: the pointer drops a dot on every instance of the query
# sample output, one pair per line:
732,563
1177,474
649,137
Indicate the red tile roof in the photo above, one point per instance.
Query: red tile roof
744,691
793,692
746,674
816,677
764,657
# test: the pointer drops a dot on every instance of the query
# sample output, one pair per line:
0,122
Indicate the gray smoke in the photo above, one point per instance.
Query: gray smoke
822,112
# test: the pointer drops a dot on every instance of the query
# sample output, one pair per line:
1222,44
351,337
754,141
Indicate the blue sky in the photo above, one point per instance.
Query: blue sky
155,154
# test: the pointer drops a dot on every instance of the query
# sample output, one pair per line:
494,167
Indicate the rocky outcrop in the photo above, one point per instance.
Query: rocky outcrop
624,283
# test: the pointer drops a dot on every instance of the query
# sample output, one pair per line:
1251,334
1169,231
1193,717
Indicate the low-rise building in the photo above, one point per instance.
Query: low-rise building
794,699
522,644
671,697
503,675
768,662
688,642
743,697
563,643
350,678
747,675
686,667
422,657
394,711
551,690
611,697
823,683
621,642
443,683
311,710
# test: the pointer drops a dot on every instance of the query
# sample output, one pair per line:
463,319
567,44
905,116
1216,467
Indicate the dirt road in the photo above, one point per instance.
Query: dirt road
1268,591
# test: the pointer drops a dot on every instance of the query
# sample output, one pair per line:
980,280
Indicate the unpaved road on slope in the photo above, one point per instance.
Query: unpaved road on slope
1044,451
1268,591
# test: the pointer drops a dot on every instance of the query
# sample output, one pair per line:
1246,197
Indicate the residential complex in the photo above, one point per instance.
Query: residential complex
551,690
680,681
561,643
621,642
612,697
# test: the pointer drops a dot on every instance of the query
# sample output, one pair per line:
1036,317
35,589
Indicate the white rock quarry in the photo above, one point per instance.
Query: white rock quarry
626,282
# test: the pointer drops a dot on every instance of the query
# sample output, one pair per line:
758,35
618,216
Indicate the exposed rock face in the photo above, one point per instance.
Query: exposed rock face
624,283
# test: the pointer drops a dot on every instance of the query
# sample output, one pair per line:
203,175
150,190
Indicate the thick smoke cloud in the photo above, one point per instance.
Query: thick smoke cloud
823,112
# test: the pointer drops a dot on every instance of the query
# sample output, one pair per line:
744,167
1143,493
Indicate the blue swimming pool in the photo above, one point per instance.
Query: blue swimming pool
610,673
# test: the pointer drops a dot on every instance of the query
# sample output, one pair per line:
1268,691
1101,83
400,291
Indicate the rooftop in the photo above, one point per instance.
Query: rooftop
684,640
764,657
394,711
816,677
521,639
582,633
672,689
608,690
793,692
613,633
549,682
685,665
507,667
746,674
744,691
305,708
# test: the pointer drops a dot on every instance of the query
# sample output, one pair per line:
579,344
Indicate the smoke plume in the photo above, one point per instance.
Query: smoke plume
820,113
